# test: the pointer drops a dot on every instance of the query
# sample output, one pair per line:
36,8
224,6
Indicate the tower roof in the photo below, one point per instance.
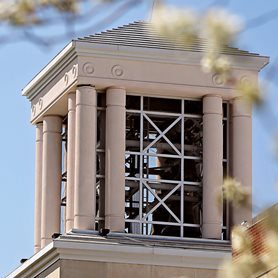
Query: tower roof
143,34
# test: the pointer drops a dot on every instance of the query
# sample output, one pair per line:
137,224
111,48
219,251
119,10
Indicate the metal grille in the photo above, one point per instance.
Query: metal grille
163,166
64,175
100,161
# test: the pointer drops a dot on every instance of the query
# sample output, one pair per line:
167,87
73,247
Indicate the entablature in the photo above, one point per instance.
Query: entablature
139,70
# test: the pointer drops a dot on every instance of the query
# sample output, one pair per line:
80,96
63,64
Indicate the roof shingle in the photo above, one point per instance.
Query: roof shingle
142,34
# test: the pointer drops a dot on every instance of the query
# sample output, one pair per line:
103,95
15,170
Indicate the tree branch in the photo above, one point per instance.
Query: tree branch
262,19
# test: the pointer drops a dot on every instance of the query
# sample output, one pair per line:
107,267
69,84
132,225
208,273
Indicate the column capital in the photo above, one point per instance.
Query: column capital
212,95
71,93
71,101
116,96
241,108
52,123
116,88
85,85
86,95
39,132
212,104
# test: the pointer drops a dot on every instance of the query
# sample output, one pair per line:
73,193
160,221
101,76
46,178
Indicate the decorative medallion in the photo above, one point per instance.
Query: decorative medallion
40,103
74,71
66,78
218,79
245,80
88,68
34,110
117,71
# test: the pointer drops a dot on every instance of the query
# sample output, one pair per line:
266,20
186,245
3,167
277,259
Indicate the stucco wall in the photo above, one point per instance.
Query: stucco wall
86,269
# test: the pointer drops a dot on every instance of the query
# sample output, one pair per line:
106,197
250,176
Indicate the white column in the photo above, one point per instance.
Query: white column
115,159
212,166
70,161
51,178
85,158
38,187
242,154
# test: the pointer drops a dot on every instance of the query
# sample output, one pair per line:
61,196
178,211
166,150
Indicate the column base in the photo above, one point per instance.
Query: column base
115,223
37,249
82,222
241,215
45,241
69,225
212,230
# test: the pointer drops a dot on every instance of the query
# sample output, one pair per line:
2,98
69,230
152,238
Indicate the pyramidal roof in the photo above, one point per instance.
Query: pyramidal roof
143,34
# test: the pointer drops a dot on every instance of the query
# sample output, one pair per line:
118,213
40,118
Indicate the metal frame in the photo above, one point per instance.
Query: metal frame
144,182
64,135
100,158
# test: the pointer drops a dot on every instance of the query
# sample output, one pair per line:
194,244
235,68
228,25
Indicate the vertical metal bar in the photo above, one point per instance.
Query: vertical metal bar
146,194
141,163
228,167
182,170
64,171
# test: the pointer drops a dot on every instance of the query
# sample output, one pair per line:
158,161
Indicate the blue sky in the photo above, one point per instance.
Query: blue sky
20,61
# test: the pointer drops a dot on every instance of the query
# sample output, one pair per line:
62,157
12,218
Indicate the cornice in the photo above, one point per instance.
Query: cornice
250,62
77,49
37,263
86,248
50,71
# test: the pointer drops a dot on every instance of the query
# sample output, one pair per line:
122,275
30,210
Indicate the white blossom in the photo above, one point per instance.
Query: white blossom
177,24
220,28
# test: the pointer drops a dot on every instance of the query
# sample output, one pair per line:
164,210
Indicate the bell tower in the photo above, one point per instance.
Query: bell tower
133,141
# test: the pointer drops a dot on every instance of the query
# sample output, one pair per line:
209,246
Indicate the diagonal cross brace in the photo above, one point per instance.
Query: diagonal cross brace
162,134
161,201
